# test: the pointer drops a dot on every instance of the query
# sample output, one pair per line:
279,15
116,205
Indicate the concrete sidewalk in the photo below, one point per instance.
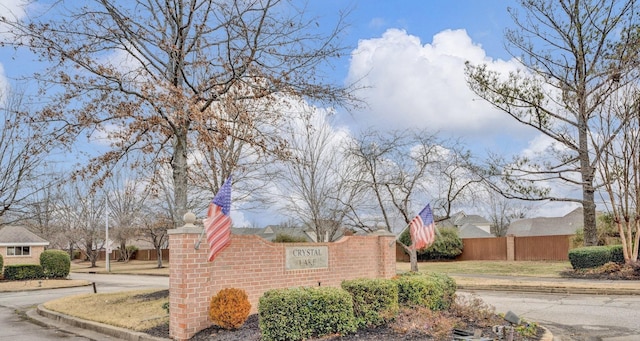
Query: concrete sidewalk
547,285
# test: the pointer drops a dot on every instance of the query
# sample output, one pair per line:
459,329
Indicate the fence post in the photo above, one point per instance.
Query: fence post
511,247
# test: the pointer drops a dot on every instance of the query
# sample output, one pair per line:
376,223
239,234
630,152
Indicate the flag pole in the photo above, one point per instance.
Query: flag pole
197,245
399,234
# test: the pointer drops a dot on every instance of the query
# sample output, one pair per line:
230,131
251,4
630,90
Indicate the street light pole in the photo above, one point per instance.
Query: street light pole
107,255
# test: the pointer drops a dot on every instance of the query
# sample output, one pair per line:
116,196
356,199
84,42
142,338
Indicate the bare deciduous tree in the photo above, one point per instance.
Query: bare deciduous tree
150,74
576,54
620,169
126,199
317,175
502,212
21,156
404,170
81,213
154,226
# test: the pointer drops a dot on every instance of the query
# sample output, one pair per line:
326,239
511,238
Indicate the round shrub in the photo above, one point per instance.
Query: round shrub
447,245
300,313
230,308
432,290
375,301
55,263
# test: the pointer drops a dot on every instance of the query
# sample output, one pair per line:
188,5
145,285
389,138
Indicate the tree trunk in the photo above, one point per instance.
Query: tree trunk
413,258
159,254
179,167
589,208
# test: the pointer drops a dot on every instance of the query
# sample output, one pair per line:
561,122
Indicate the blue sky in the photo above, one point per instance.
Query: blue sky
410,54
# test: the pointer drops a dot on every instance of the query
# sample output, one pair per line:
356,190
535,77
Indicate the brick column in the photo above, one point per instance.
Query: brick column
188,281
387,253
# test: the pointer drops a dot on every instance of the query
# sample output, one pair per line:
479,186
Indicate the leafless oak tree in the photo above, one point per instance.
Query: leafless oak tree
156,76
21,156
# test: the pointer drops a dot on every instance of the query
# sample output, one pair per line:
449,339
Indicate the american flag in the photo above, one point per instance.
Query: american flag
422,229
218,222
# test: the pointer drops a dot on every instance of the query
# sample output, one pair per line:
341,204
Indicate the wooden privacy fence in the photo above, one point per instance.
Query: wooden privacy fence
516,248
146,255
509,248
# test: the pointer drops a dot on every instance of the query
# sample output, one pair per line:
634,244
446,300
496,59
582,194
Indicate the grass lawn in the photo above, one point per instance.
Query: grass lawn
502,268
136,310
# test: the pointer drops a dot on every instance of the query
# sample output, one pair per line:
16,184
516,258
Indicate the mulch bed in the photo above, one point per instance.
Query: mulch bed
250,331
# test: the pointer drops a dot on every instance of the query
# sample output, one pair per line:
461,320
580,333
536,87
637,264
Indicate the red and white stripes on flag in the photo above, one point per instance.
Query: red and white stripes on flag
422,229
218,222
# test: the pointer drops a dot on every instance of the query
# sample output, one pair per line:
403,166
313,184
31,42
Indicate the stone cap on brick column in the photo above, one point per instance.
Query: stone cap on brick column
382,232
189,226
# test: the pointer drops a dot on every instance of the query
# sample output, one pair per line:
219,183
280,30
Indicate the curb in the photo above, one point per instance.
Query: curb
117,332
552,289
41,313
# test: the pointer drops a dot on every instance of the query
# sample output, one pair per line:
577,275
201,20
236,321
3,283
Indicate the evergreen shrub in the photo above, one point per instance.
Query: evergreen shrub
595,256
55,263
431,290
300,313
19,272
375,301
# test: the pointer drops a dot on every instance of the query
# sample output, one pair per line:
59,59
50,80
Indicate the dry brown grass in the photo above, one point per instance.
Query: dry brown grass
502,268
130,309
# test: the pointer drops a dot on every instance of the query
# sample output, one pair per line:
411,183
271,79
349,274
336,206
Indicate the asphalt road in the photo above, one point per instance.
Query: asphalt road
573,317
13,305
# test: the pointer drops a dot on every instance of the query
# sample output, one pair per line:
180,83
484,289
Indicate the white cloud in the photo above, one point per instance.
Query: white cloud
13,9
4,84
410,84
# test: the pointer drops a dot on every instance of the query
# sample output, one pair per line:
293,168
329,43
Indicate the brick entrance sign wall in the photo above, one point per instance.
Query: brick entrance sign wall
256,265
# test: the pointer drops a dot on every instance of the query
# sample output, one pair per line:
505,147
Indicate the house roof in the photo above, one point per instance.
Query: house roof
548,226
270,232
19,236
473,231
460,219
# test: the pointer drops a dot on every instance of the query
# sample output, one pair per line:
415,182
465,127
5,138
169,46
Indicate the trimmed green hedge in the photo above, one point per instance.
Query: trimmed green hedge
23,271
55,263
595,256
301,313
617,255
447,245
375,301
1,262
432,290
